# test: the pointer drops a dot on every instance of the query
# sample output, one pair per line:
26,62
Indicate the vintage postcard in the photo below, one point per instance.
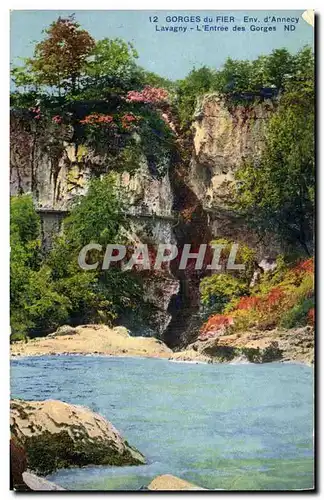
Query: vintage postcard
162,218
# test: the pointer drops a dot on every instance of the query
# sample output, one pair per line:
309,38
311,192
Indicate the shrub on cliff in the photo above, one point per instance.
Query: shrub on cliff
298,315
217,290
287,302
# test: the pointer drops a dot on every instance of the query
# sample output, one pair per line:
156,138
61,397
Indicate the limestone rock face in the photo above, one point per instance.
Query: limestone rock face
167,482
55,434
224,137
46,163
148,195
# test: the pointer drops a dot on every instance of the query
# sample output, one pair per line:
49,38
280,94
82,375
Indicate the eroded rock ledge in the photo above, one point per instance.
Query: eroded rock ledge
253,346
92,339
55,434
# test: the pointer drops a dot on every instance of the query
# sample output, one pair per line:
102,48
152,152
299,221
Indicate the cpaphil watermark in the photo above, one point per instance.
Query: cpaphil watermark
207,257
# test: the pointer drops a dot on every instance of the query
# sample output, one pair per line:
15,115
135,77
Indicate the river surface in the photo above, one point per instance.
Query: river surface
221,426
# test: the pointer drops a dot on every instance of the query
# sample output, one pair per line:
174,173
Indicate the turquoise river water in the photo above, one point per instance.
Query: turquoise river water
221,426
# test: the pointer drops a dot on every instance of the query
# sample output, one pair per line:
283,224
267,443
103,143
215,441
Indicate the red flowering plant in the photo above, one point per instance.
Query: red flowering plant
129,121
306,266
57,119
36,111
215,326
246,303
96,118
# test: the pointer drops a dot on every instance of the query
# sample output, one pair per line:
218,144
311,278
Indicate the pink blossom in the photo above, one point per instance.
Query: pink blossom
149,94
57,119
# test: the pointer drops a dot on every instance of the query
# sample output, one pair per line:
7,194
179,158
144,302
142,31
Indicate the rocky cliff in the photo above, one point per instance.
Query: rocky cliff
224,136
184,206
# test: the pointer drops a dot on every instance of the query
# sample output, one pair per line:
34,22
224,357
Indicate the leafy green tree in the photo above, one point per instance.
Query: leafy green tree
197,83
279,66
87,302
235,76
114,58
34,304
24,254
154,80
97,217
24,76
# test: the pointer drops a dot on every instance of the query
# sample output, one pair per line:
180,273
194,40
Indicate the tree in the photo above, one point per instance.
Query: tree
34,303
113,58
279,66
235,76
98,216
60,58
198,82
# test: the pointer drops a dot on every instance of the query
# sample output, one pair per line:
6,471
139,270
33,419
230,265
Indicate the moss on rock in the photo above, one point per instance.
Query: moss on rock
57,435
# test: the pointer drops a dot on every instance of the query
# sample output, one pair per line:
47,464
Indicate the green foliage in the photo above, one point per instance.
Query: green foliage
277,194
17,337
24,258
154,80
87,301
197,83
98,216
24,222
60,58
114,58
45,308
24,77
217,290
297,315
49,292
245,81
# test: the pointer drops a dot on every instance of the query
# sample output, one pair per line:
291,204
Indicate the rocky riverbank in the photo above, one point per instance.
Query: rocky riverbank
54,435
254,346
92,339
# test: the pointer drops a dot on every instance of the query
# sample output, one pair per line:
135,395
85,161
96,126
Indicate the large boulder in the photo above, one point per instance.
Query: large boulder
55,434
167,482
